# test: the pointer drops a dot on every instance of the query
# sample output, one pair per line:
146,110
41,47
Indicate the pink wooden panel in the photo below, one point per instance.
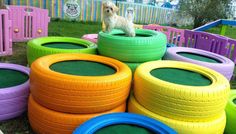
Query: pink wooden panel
5,36
28,22
174,35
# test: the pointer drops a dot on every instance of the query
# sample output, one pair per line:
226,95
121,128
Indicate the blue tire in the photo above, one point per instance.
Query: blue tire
97,123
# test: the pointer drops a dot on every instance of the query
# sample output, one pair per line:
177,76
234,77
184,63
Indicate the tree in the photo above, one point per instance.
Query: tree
2,4
204,11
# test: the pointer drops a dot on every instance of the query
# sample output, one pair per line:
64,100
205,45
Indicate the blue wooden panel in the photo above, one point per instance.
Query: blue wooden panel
208,26
229,22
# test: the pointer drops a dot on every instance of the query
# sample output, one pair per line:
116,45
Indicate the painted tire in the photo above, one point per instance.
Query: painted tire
35,48
91,37
13,100
214,126
181,102
133,66
79,94
94,124
226,68
231,114
46,121
133,49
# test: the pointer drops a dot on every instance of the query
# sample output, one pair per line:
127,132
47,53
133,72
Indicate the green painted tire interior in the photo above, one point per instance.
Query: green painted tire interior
234,101
83,68
137,35
199,57
64,45
10,78
181,76
123,129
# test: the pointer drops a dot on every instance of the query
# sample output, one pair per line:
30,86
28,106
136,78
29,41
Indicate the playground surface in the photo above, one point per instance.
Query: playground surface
20,125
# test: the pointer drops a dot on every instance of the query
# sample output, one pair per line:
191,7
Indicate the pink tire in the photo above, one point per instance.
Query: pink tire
225,65
91,37
13,100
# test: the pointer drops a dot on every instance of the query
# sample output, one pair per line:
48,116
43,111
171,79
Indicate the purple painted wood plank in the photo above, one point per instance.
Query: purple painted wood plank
207,41
232,50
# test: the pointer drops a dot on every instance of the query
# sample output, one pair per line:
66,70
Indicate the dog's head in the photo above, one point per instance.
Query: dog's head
109,8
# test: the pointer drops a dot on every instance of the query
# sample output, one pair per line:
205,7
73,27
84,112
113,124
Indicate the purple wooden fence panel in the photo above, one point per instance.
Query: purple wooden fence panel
28,22
232,50
190,39
5,35
174,36
206,41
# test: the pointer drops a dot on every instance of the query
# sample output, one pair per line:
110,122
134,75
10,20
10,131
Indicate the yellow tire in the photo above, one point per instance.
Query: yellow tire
79,94
181,102
46,121
214,126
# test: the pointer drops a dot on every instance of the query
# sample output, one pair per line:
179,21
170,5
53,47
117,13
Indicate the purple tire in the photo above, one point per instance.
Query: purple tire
91,37
225,65
13,100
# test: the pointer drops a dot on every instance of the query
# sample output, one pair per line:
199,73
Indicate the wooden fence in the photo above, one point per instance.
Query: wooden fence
91,10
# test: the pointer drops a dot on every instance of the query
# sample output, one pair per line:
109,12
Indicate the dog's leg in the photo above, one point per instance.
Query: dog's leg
109,28
103,26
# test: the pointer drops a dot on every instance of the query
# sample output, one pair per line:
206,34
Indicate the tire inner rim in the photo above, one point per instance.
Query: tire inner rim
199,57
181,76
234,101
10,78
123,129
83,68
137,35
64,45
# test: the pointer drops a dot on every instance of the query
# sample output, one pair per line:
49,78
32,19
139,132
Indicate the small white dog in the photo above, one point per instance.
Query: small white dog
113,21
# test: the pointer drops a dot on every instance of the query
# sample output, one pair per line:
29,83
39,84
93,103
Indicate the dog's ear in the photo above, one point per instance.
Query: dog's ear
115,8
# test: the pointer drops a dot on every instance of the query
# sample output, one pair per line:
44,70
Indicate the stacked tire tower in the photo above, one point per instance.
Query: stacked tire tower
148,45
68,89
191,105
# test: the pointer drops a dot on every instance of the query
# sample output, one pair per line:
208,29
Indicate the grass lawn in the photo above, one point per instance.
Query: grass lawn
20,125
230,32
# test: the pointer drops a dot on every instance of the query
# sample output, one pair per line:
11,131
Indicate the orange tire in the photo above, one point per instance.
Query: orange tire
46,121
79,94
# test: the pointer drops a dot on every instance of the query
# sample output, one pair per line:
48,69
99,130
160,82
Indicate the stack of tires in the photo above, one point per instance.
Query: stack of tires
14,90
148,45
43,46
190,106
68,89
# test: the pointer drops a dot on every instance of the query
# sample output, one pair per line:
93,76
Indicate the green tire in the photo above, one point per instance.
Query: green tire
148,45
36,48
231,114
133,66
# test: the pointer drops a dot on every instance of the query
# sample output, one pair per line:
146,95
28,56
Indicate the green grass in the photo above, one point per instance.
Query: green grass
20,125
230,32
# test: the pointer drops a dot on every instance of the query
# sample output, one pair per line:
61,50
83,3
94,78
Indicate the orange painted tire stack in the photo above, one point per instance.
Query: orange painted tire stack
60,102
